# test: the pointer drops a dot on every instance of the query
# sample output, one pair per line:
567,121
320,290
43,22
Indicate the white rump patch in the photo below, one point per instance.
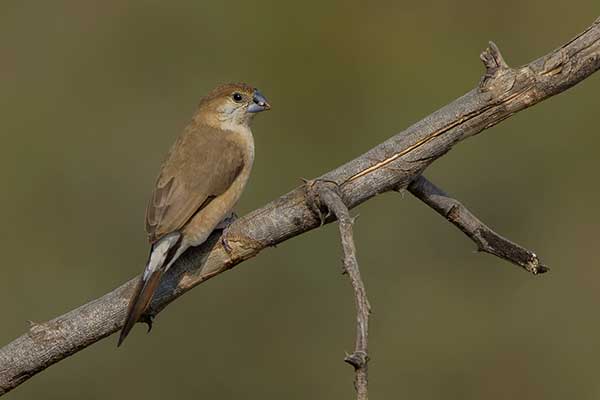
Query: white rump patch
159,253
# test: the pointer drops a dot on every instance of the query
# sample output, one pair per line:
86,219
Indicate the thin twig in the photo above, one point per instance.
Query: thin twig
328,197
486,239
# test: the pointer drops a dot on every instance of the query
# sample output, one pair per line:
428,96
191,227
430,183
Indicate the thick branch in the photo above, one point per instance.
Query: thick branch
326,195
392,164
486,239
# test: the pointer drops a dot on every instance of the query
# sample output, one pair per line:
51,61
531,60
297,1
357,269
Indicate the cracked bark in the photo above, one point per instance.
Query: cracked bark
393,164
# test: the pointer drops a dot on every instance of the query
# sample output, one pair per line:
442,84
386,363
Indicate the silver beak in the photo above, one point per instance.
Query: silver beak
259,103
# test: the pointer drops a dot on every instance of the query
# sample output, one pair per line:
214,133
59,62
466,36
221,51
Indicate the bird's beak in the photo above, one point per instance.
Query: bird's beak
259,103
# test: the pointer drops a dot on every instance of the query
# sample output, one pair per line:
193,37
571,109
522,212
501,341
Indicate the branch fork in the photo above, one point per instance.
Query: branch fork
502,92
326,195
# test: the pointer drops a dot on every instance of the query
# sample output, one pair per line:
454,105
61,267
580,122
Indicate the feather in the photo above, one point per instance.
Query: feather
161,255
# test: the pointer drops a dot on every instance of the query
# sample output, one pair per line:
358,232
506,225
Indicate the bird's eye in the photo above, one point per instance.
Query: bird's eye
237,97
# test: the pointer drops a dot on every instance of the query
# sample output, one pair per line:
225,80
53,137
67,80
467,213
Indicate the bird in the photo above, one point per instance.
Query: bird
200,181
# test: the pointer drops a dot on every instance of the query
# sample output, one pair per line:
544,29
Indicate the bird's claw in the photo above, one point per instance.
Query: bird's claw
225,241
147,319
224,226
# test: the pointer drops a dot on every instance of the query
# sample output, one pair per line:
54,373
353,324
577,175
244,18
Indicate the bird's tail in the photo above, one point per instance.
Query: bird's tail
161,255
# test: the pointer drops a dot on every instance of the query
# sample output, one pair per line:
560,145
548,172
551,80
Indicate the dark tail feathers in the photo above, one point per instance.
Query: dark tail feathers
161,255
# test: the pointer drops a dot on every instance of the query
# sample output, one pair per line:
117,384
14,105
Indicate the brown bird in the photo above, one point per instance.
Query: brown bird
200,182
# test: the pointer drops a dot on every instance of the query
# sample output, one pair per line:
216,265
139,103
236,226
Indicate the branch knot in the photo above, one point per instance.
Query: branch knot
495,67
315,190
358,359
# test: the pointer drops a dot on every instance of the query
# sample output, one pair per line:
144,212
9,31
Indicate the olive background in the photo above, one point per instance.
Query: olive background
93,93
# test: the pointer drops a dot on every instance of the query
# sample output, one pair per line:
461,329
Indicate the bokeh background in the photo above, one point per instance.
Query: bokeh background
93,93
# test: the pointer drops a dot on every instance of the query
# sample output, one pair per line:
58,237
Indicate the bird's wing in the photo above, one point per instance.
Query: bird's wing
201,165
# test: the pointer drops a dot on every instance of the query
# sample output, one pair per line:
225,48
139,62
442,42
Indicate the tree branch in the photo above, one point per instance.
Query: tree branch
485,238
393,164
325,195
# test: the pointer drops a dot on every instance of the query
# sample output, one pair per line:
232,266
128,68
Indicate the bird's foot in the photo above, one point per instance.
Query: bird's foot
224,226
147,319
225,242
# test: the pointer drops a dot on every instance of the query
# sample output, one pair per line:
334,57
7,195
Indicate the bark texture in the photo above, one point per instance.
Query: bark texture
484,237
391,165
324,196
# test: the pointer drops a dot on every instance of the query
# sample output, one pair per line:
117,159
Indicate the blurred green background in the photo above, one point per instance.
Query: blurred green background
92,95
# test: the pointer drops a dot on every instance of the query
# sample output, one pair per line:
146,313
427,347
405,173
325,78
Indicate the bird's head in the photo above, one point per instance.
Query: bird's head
231,106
